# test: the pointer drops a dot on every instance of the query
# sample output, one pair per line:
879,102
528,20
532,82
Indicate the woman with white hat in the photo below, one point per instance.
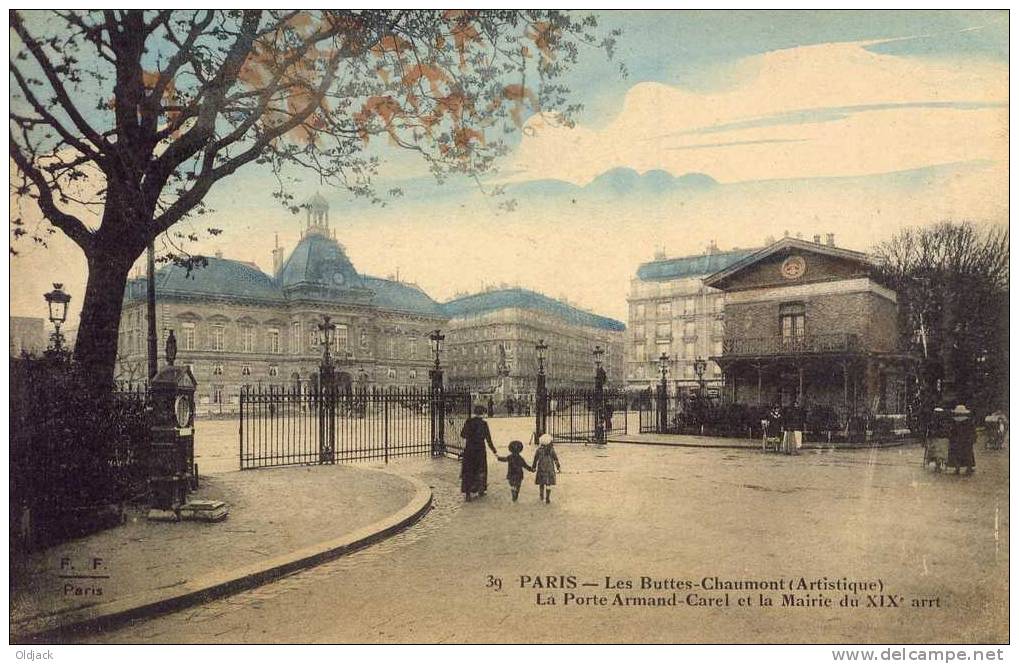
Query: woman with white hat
961,440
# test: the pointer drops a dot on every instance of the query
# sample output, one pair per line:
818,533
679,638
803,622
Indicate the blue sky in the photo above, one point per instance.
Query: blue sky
857,123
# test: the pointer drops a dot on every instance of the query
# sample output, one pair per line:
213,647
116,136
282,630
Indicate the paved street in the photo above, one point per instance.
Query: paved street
682,515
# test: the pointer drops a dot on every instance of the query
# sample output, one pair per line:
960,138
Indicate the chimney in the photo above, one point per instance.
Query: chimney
277,257
831,239
817,238
786,234
219,253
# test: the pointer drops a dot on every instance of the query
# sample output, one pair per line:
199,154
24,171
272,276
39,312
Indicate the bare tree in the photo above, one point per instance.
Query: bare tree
122,121
952,280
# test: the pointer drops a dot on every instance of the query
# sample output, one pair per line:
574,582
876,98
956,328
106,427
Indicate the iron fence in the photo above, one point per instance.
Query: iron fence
574,415
281,426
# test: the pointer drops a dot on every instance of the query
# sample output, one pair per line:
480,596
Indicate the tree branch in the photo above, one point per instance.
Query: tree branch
69,224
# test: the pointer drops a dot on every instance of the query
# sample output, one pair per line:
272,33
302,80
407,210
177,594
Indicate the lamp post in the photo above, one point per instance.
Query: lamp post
599,396
57,301
663,393
327,396
540,394
699,365
437,416
436,338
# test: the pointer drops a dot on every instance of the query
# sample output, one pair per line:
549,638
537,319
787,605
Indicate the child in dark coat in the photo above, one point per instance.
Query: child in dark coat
515,470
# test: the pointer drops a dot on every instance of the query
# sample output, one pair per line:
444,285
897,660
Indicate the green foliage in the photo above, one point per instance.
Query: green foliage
74,448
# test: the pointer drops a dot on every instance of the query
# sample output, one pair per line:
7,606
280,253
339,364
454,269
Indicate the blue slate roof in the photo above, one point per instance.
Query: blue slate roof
220,277
398,296
315,260
691,266
520,298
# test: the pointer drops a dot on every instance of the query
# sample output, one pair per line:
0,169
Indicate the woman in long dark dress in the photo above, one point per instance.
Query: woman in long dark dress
961,439
474,463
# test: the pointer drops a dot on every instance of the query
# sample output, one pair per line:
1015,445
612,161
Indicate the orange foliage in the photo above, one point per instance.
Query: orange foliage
544,35
385,108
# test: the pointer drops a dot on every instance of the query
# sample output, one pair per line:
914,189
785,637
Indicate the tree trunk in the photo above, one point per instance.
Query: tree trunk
96,347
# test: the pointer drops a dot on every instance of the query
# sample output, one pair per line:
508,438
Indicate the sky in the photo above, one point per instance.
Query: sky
728,127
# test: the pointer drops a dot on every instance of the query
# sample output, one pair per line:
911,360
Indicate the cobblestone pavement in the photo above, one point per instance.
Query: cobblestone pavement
687,514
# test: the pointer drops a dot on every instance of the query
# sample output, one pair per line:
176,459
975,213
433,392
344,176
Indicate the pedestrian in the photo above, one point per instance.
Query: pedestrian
515,468
474,463
491,407
546,465
961,440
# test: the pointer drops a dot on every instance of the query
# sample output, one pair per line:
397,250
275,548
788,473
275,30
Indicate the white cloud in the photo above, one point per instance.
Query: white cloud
789,114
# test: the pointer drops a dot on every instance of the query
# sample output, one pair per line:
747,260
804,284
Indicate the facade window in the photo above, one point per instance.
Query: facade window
187,337
690,329
689,306
792,319
689,350
391,373
217,394
217,369
245,369
295,337
412,345
638,331
274,370
664,309
412,374
638,311
274,340
340,339
364,339
663,331
312,338
248,339
217,337
640,353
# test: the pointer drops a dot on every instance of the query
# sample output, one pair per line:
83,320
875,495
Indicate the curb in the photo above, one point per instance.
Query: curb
811,446
220,584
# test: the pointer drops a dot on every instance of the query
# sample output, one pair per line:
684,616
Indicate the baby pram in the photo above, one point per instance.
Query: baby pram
935,451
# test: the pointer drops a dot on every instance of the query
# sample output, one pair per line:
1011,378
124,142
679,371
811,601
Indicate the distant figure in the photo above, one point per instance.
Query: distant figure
474,463
546,465
515,469
491,407
510,406
961,440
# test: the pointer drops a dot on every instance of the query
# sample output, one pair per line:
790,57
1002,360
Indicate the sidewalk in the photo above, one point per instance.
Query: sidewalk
281,520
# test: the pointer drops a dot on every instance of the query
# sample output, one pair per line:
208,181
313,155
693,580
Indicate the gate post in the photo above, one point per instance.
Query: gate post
599,406
540,405
437,415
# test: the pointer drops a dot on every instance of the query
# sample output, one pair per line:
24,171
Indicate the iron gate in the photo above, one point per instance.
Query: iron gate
576,415
281,426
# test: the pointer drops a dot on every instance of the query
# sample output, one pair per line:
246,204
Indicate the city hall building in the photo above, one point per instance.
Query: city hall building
237,326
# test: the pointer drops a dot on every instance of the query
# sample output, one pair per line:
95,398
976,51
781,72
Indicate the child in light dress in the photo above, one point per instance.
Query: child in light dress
545,465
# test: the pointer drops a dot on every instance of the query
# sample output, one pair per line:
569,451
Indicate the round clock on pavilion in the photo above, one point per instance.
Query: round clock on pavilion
793,267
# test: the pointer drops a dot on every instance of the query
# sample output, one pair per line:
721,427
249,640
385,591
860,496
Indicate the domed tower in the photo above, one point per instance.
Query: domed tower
317,209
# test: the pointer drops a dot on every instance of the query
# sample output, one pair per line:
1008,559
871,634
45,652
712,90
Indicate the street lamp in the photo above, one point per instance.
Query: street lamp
699,365
327,327
540,349
663,394
57,301
598,353
599,396
663,366
436,338
540,396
